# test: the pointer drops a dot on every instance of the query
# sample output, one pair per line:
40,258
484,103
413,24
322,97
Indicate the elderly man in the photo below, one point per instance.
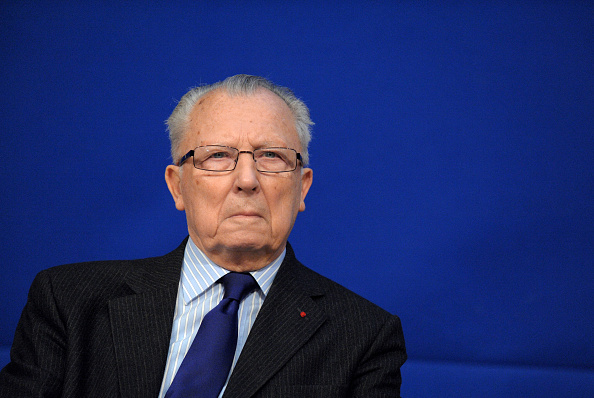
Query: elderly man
229,313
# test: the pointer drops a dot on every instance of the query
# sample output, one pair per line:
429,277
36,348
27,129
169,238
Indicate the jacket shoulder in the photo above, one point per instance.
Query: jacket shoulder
343,297
338,301
81,284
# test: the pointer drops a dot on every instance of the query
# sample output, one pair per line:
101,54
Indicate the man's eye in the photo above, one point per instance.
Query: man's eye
269,155
219,155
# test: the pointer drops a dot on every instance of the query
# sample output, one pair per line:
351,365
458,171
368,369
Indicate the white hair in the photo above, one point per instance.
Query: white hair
177,123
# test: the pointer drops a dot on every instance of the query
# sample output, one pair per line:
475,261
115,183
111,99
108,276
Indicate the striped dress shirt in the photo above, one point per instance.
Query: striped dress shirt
197,294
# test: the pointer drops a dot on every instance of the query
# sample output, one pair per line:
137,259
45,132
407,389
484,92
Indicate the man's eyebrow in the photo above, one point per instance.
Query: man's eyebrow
269,144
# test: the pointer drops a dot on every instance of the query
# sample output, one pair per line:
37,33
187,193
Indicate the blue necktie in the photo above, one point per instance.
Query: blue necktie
205,368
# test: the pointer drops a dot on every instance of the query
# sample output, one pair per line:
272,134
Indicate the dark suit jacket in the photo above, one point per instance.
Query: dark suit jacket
102,329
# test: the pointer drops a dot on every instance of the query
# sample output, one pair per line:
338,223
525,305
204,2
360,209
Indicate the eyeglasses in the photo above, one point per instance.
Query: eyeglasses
224,158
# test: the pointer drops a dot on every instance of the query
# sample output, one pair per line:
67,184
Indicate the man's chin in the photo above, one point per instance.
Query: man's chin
246,245
256,243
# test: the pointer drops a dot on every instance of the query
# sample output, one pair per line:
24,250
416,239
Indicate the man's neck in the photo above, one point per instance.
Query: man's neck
241,260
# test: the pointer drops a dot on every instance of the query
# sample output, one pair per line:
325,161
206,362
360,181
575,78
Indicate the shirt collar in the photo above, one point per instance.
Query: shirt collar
199,273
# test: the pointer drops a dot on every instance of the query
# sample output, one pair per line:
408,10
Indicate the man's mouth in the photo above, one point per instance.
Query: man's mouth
246,214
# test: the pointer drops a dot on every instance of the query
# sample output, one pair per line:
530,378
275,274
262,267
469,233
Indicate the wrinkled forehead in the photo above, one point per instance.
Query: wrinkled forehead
261,110
220,98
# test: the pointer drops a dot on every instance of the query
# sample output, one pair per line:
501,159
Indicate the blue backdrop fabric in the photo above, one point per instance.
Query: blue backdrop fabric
473,219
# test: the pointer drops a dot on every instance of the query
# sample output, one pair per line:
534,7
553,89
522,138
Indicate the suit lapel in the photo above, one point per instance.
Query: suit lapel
141,324
286,321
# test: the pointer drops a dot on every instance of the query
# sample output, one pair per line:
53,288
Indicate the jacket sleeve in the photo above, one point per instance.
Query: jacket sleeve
378,373
37,356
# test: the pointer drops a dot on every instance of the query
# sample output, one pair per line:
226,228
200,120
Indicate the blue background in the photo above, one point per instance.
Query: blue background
452,155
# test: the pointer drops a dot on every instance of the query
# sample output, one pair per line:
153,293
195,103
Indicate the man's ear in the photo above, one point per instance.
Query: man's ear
306,180
173,180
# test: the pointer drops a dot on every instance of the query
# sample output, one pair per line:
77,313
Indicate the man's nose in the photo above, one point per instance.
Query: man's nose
247,174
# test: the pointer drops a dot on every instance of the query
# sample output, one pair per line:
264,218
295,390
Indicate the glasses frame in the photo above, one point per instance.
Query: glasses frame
191,154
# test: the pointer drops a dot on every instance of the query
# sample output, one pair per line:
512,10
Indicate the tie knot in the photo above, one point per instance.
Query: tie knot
238,285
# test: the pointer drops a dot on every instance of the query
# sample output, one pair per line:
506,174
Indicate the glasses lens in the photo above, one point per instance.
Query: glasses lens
215,158
275,159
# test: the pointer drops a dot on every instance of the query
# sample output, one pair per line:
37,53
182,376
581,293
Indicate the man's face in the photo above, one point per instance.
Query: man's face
241,219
